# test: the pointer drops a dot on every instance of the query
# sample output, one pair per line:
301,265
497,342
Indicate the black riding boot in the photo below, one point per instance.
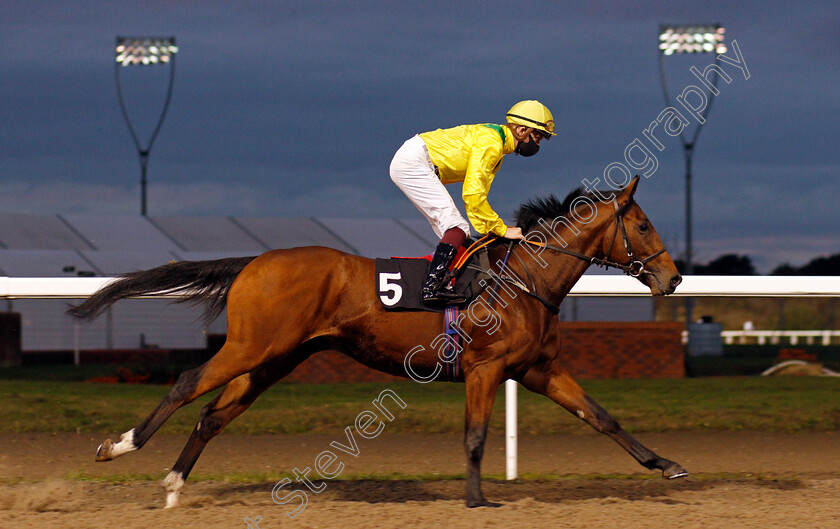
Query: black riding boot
434,289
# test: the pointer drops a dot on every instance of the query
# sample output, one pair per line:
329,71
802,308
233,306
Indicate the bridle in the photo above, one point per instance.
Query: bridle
634,268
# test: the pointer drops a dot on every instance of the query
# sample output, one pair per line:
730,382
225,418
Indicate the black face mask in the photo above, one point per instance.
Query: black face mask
527,149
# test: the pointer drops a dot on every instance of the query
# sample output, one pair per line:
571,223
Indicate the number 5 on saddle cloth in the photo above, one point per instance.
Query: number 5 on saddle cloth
400,279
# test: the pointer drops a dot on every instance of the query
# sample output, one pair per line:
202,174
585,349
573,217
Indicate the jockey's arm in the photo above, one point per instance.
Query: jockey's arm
481,170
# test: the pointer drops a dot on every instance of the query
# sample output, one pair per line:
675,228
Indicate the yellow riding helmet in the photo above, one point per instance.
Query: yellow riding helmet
532,114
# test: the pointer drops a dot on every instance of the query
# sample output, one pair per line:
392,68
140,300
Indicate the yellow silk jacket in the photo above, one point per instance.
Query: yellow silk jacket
472,154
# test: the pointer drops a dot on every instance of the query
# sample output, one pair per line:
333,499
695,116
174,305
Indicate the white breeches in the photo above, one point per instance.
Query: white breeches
414,173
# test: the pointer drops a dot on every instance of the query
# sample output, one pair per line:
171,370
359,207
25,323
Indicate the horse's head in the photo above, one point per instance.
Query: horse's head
634,242
615,233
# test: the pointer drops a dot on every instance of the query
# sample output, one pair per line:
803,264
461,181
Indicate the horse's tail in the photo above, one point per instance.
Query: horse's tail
198,281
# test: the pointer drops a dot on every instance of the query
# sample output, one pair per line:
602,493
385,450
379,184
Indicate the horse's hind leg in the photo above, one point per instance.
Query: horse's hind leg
237,396
230,362
558,385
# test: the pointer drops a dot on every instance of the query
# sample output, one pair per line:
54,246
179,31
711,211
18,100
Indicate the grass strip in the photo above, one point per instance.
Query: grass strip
785,404
263,477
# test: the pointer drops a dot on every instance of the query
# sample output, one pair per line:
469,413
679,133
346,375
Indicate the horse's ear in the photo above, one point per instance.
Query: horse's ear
627,193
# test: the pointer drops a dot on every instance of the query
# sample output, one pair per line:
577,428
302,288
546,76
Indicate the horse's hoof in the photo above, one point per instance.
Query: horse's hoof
674,471
482,503
103,453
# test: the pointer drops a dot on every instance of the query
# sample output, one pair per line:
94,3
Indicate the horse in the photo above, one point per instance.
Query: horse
288,304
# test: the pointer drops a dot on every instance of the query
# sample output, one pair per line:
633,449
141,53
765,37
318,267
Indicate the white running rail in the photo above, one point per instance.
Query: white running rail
589,285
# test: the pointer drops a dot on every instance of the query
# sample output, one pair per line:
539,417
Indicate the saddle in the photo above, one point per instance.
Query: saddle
398,280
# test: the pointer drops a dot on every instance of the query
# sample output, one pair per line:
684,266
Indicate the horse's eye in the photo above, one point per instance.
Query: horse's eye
644,228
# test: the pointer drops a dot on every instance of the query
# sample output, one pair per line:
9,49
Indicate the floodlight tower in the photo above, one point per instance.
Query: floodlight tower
145,51
690,38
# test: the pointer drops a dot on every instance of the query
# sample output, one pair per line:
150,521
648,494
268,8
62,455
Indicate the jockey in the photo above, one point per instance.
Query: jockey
470,154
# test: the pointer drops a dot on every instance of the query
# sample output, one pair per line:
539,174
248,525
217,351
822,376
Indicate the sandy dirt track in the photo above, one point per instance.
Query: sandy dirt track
739,479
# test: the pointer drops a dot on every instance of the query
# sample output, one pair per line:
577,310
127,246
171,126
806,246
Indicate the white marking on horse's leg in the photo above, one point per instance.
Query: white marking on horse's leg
173,482
126,444
581,414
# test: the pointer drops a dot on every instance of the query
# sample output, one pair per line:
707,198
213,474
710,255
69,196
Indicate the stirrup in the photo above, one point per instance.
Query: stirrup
445,295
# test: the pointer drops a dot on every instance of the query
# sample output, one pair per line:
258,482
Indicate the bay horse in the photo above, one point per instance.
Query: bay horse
286,305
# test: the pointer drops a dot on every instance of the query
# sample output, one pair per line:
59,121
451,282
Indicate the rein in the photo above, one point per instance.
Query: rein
636,266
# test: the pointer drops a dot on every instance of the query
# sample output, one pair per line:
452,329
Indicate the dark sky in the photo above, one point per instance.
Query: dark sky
295,109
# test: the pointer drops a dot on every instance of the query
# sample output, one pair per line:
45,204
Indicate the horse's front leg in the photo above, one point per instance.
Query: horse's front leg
557,384
482,384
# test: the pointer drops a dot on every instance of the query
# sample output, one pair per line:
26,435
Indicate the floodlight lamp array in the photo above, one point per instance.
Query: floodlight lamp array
691,38
145,50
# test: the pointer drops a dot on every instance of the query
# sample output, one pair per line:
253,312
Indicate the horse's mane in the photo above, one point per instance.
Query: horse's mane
550,207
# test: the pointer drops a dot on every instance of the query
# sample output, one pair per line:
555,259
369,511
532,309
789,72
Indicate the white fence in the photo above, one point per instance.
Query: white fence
775,337
591,285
